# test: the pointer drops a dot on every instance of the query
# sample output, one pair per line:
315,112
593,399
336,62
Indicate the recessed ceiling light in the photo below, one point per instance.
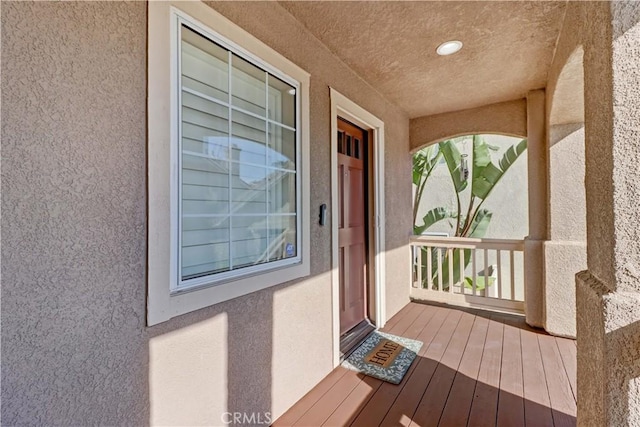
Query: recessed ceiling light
449,48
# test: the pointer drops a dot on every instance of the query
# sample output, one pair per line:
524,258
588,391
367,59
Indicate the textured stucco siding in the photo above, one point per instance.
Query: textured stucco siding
626,148
505,118
607,294
75,349
565,251
567,198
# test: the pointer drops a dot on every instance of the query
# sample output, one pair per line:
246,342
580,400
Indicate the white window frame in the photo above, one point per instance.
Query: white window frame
178,20
165,298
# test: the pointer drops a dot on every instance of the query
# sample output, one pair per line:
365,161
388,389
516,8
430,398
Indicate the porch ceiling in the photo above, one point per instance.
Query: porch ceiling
508,48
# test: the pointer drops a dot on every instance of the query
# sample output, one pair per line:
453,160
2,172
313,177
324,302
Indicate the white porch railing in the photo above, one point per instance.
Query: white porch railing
482,273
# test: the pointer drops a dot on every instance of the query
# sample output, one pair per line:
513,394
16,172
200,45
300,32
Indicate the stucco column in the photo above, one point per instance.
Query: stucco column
608,293
538,208
565,253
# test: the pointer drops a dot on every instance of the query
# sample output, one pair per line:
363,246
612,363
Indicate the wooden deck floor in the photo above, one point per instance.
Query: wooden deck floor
474,369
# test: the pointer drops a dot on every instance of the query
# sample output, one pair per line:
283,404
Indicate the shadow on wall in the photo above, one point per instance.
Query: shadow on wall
188,356
625,341
608,354
75,347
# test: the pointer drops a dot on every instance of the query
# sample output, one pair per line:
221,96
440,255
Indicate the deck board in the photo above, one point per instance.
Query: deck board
511,395
409,313
376,409
350,407
290,417
475,368
458,405
485,400
568,352
399,315
404,407
323,409
537,409
563,403
436,394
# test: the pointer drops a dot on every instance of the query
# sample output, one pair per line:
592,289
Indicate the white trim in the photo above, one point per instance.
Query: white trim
161,105
343,107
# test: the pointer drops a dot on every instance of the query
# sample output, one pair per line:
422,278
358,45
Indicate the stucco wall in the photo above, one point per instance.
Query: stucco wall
75,349
505,118
565,253
607,295
74,345
566,183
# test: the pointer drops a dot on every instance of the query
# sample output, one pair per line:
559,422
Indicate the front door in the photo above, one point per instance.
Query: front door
352,226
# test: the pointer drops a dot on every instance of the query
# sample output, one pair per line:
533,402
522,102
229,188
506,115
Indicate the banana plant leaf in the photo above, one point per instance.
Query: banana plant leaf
485,174
433,216
481,283
452,157
512,154
423,163
480,223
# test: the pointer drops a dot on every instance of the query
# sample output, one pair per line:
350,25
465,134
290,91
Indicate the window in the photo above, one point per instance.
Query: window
237,161
228,162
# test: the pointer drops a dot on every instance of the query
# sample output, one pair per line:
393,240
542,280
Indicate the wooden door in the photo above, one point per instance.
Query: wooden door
352,227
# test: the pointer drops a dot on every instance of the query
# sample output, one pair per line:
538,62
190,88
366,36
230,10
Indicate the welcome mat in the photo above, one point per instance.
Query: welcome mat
384,356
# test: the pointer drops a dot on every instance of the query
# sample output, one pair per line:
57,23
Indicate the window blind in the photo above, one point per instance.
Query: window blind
238,204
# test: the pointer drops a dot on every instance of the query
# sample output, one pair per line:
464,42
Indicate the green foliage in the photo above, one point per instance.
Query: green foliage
481,283
452,157
475,221
485,174
433,216
480,223
424,162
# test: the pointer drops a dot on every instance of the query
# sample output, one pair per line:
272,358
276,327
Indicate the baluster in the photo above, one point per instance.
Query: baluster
513,275
439,269
475,270
486,273
461,253
418,250
499,272
429,270
450,255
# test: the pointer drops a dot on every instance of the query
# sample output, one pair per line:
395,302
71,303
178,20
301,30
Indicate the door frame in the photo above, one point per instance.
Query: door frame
343,107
